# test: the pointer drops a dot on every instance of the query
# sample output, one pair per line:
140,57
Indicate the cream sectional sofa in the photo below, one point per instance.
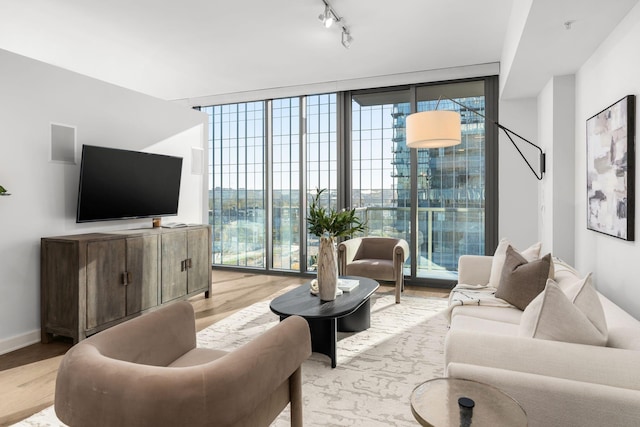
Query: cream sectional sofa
557,383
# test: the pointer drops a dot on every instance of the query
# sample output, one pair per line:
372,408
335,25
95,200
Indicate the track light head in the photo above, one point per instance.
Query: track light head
327,18
346,38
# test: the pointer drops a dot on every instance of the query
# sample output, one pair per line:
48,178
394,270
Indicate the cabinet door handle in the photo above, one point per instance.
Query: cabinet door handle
125,276
190,263
182,265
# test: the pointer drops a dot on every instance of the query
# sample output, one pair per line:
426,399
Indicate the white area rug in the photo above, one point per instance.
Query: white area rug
377,369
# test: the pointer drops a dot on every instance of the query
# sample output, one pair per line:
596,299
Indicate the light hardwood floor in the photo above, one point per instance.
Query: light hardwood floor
27,376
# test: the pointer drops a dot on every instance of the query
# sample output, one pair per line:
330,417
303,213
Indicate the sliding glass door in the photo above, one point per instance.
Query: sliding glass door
381,162
451,184
433,198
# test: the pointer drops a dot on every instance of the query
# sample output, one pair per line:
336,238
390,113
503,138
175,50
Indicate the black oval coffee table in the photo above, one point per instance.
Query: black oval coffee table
349,312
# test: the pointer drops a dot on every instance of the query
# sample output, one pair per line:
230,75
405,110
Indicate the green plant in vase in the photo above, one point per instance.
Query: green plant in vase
329,225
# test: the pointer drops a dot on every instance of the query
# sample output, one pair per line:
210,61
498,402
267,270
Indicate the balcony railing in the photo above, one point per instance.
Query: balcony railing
442,236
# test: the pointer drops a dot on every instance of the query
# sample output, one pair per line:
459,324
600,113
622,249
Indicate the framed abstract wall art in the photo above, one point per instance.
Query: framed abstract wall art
611,170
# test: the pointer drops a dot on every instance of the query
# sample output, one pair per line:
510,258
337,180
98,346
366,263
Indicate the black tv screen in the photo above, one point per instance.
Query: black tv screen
122,184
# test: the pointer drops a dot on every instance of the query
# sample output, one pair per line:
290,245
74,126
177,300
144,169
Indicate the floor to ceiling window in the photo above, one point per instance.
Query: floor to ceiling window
446,186
268,159
285,137
321,160
237,183
451,183
381,164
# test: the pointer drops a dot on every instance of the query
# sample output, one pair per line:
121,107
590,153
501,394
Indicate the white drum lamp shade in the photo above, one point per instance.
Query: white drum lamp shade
433,129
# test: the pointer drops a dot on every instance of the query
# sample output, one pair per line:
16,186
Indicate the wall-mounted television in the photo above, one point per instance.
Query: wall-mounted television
124,184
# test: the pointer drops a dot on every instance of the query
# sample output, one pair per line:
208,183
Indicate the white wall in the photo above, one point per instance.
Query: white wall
518,187
556,129
43,200
609,74
517,20
563,164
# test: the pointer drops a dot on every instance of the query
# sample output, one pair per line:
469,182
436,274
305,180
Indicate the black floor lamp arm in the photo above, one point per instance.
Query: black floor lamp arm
541,154
509,132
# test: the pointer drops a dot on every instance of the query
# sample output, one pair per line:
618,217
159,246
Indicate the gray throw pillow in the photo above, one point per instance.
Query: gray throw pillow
497,263
522,281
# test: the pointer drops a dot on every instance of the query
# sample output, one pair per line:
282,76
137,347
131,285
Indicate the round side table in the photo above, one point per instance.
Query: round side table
434,403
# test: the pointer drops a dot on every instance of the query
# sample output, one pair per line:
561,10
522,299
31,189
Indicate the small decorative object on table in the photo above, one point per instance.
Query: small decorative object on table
347,285
3,191
433,403
329,225
327,268
313,288
466,411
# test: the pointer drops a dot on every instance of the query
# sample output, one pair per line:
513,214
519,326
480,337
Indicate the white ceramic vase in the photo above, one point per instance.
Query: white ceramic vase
327,269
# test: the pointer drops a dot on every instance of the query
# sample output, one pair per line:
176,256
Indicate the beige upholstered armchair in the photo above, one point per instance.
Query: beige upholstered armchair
379,258
148,372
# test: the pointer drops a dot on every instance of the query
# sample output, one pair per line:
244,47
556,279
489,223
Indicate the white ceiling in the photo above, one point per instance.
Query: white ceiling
195,48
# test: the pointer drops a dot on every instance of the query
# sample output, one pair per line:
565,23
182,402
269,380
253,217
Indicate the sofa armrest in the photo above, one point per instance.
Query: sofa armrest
550,401
474,269
578,362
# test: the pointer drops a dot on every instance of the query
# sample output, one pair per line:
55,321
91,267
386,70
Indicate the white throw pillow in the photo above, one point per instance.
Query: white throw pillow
584,296
552,316
530,254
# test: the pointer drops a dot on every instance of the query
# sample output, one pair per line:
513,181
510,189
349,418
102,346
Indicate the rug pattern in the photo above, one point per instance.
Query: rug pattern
376,369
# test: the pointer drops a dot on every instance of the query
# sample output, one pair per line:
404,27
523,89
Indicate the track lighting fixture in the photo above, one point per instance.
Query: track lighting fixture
329,17
346,38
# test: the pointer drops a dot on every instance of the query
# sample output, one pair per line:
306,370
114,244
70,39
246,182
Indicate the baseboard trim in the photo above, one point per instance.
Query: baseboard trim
15,343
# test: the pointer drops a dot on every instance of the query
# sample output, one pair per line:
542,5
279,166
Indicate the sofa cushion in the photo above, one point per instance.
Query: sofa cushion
623,329
501,314
530,254
522,281
198,356
552,316
476,324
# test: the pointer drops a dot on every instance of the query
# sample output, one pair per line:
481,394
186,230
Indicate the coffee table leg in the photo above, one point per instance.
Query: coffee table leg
324,337
357,321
